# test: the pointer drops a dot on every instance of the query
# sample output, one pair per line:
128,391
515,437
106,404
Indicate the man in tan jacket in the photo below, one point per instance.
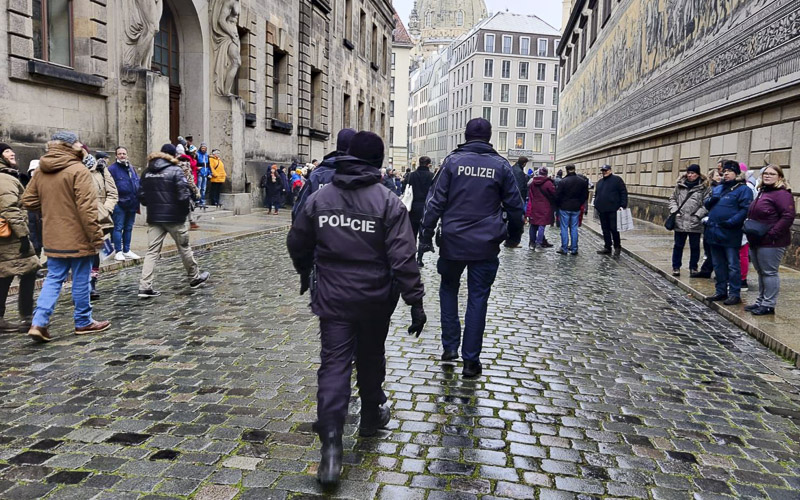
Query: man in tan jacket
65,194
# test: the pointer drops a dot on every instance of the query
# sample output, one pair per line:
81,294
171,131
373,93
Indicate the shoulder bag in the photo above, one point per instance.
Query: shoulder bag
669,224
753,228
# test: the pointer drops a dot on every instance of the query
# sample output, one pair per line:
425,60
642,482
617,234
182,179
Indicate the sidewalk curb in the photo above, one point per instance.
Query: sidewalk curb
765,338
118,266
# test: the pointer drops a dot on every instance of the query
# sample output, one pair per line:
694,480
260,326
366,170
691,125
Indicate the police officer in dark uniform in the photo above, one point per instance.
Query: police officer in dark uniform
323,173
352,245
470,193
420,181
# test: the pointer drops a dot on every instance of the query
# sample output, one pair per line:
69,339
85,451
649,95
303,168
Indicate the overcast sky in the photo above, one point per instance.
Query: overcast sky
548,10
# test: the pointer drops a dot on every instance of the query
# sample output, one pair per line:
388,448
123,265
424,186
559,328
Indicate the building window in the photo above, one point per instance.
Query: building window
487,113
502,141
519,142
523,70
522,94
538,119
429,19
537,143
460,18
552,144
504,117
555,96
488,68
348,20
316,100
280,85
488,42
392,86
542,52
346,123
541,72
391,136
540,95
606,11
373,53
505,92
505,69
362,33
487,92
507,40
165,49
525,46
391,108
52,31
384,54
522,118
554,120
555,73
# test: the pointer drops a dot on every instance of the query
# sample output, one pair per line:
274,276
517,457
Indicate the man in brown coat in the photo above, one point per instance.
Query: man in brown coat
63,191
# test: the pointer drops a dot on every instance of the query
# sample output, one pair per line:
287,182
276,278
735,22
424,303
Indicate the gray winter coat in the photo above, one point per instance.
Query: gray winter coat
689,220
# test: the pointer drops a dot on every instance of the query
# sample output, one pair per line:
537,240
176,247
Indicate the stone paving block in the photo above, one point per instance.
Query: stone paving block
216,492
246,463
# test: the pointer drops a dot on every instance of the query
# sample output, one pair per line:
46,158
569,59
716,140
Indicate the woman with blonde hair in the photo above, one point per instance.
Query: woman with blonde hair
769,231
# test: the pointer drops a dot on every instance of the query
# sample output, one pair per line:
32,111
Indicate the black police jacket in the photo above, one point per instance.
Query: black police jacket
357,237
319,177
420,181
472,190
164,190
572,192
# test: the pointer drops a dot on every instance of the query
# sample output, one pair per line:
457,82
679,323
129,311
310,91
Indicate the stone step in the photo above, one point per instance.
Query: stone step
212,213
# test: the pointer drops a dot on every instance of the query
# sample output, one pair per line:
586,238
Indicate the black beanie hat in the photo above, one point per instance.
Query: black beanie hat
478,129
3,147
344,138
169,149
368,147
693,168
732,166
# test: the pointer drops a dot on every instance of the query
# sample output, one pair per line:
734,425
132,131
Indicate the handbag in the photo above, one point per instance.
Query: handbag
753,228
5,228
408,197
669,224
625,220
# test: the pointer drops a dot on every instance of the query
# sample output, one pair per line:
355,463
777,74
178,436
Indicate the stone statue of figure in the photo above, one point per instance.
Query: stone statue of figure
224,20
143,22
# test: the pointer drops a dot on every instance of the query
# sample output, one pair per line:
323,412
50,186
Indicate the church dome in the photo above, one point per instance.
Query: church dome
450,14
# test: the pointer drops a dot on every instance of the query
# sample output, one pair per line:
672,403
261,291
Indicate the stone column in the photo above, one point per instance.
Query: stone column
227,135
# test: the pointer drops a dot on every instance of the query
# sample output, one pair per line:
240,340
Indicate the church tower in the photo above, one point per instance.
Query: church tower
439,22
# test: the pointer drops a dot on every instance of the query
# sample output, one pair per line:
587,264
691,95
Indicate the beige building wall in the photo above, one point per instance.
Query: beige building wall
398,124
683,91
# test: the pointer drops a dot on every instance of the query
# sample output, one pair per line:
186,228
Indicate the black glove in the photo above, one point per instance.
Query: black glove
305,281
24,245
418,319
425,241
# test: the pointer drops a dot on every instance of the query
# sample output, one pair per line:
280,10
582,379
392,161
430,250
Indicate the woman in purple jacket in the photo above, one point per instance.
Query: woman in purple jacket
774,207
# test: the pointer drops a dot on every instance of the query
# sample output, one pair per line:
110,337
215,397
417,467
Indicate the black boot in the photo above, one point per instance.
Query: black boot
372,420
419,261
330,464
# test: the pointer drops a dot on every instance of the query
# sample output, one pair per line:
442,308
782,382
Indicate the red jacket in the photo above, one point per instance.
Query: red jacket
541,191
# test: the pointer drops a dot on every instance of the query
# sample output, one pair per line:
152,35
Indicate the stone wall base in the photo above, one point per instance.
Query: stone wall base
238,203
656,210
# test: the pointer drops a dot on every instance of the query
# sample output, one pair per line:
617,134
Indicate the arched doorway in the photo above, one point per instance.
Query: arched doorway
166,60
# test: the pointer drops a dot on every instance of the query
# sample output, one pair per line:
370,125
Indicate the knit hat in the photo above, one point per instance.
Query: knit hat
344,138
3,147
543,171
169,149
181,140
478,129
693,168
368,147
65,136
733,166
203,144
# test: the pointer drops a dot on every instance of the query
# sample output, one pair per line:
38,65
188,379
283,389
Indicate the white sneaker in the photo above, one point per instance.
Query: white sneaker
119,257
131,255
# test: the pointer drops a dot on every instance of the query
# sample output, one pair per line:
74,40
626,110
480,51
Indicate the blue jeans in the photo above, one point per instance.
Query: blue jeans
123,228
202,184
480,277
726,270
536,234
57,272
569,230
694,250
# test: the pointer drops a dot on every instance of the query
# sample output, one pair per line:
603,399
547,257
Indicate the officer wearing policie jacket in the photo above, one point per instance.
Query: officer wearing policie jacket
352,245
471,192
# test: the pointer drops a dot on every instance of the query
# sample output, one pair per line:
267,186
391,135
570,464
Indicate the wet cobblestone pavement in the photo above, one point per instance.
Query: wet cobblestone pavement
600,380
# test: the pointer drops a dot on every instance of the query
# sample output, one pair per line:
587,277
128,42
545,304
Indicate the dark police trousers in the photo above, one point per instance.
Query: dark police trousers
340,340
608,223
480,277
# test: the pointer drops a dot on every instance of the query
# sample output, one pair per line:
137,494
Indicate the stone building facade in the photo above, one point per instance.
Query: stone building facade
263,81
435,24
651,87
402,44
504,70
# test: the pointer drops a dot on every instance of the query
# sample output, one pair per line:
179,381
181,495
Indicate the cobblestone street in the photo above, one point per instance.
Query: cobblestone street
600,380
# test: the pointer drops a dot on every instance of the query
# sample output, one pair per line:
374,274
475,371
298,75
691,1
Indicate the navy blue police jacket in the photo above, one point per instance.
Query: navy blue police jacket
470,193
356,236
319,177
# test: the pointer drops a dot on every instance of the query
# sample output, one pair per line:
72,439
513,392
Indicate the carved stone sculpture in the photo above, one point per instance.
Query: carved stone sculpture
144,17
225,36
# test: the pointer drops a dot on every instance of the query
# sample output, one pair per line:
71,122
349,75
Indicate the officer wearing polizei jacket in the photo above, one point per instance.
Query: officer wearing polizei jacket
352,245
470,193
323,173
